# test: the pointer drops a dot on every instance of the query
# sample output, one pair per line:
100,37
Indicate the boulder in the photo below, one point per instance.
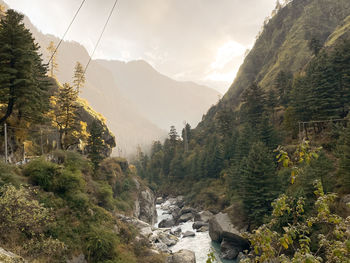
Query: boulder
187,210
176,232
159,200
162,247
228,250
166,223
185,218
182,256
8,257
144,228
167,239
203,216
199,224
203,229
220,227
176,213
147,208
188,234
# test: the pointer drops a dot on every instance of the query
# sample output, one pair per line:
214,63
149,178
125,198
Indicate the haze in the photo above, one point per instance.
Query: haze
194,40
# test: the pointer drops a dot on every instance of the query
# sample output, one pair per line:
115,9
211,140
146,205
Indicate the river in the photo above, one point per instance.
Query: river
200,244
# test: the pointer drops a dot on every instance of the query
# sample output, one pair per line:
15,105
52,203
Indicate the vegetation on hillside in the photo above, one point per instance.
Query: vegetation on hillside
297,93
62,201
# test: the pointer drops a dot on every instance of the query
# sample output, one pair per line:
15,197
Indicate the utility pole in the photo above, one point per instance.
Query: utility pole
6,158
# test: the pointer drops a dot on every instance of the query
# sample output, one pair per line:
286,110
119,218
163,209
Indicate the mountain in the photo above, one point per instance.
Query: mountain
139,103
152,91
283,43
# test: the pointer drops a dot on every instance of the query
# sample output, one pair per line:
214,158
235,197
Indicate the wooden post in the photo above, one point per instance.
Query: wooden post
6,153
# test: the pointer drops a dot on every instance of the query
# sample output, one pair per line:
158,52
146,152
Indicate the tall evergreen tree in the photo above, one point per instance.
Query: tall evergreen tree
258,182
24,89
254,104
96,146
283,85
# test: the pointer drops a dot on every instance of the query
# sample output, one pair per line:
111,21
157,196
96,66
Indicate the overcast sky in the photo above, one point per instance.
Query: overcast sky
197,40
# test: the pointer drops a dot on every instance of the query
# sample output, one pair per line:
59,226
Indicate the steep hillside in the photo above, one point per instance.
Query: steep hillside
151,91
283,43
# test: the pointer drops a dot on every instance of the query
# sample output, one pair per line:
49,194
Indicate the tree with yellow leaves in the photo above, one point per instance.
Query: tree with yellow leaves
79,77
53,56
64,114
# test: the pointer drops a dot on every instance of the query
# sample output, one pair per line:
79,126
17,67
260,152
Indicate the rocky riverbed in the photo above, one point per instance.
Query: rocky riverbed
186,234
191,227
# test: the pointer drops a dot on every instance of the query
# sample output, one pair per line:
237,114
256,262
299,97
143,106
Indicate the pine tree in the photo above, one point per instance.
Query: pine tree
65,117
24,89
186,136
96,146
272,102
53,56
173,136
283,85
254,104
79,77
315,46
258,182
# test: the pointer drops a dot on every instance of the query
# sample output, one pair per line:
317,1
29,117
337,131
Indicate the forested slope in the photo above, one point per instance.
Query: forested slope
292,90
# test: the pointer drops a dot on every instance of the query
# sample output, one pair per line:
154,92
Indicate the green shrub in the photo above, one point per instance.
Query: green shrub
9,175
104,195
52,177
78,200
100,245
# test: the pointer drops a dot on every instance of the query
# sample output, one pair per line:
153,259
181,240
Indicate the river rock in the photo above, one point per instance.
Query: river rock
220,227
176,232
199,224
185,218
203,216
203,229
186,210
162,247
166,223
228,250
159,200
188,234
9,257
176,213
183,256
167,239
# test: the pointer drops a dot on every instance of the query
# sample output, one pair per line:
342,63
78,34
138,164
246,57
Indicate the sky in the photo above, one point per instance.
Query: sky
204,41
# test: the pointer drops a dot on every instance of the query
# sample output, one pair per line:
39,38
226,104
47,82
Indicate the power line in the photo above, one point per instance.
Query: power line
99,39
65,33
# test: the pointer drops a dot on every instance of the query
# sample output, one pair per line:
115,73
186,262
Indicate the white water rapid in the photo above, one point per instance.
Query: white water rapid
200,244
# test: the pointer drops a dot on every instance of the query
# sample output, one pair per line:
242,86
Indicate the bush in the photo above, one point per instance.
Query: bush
9,174
52,177
23,218
104,195
100,245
